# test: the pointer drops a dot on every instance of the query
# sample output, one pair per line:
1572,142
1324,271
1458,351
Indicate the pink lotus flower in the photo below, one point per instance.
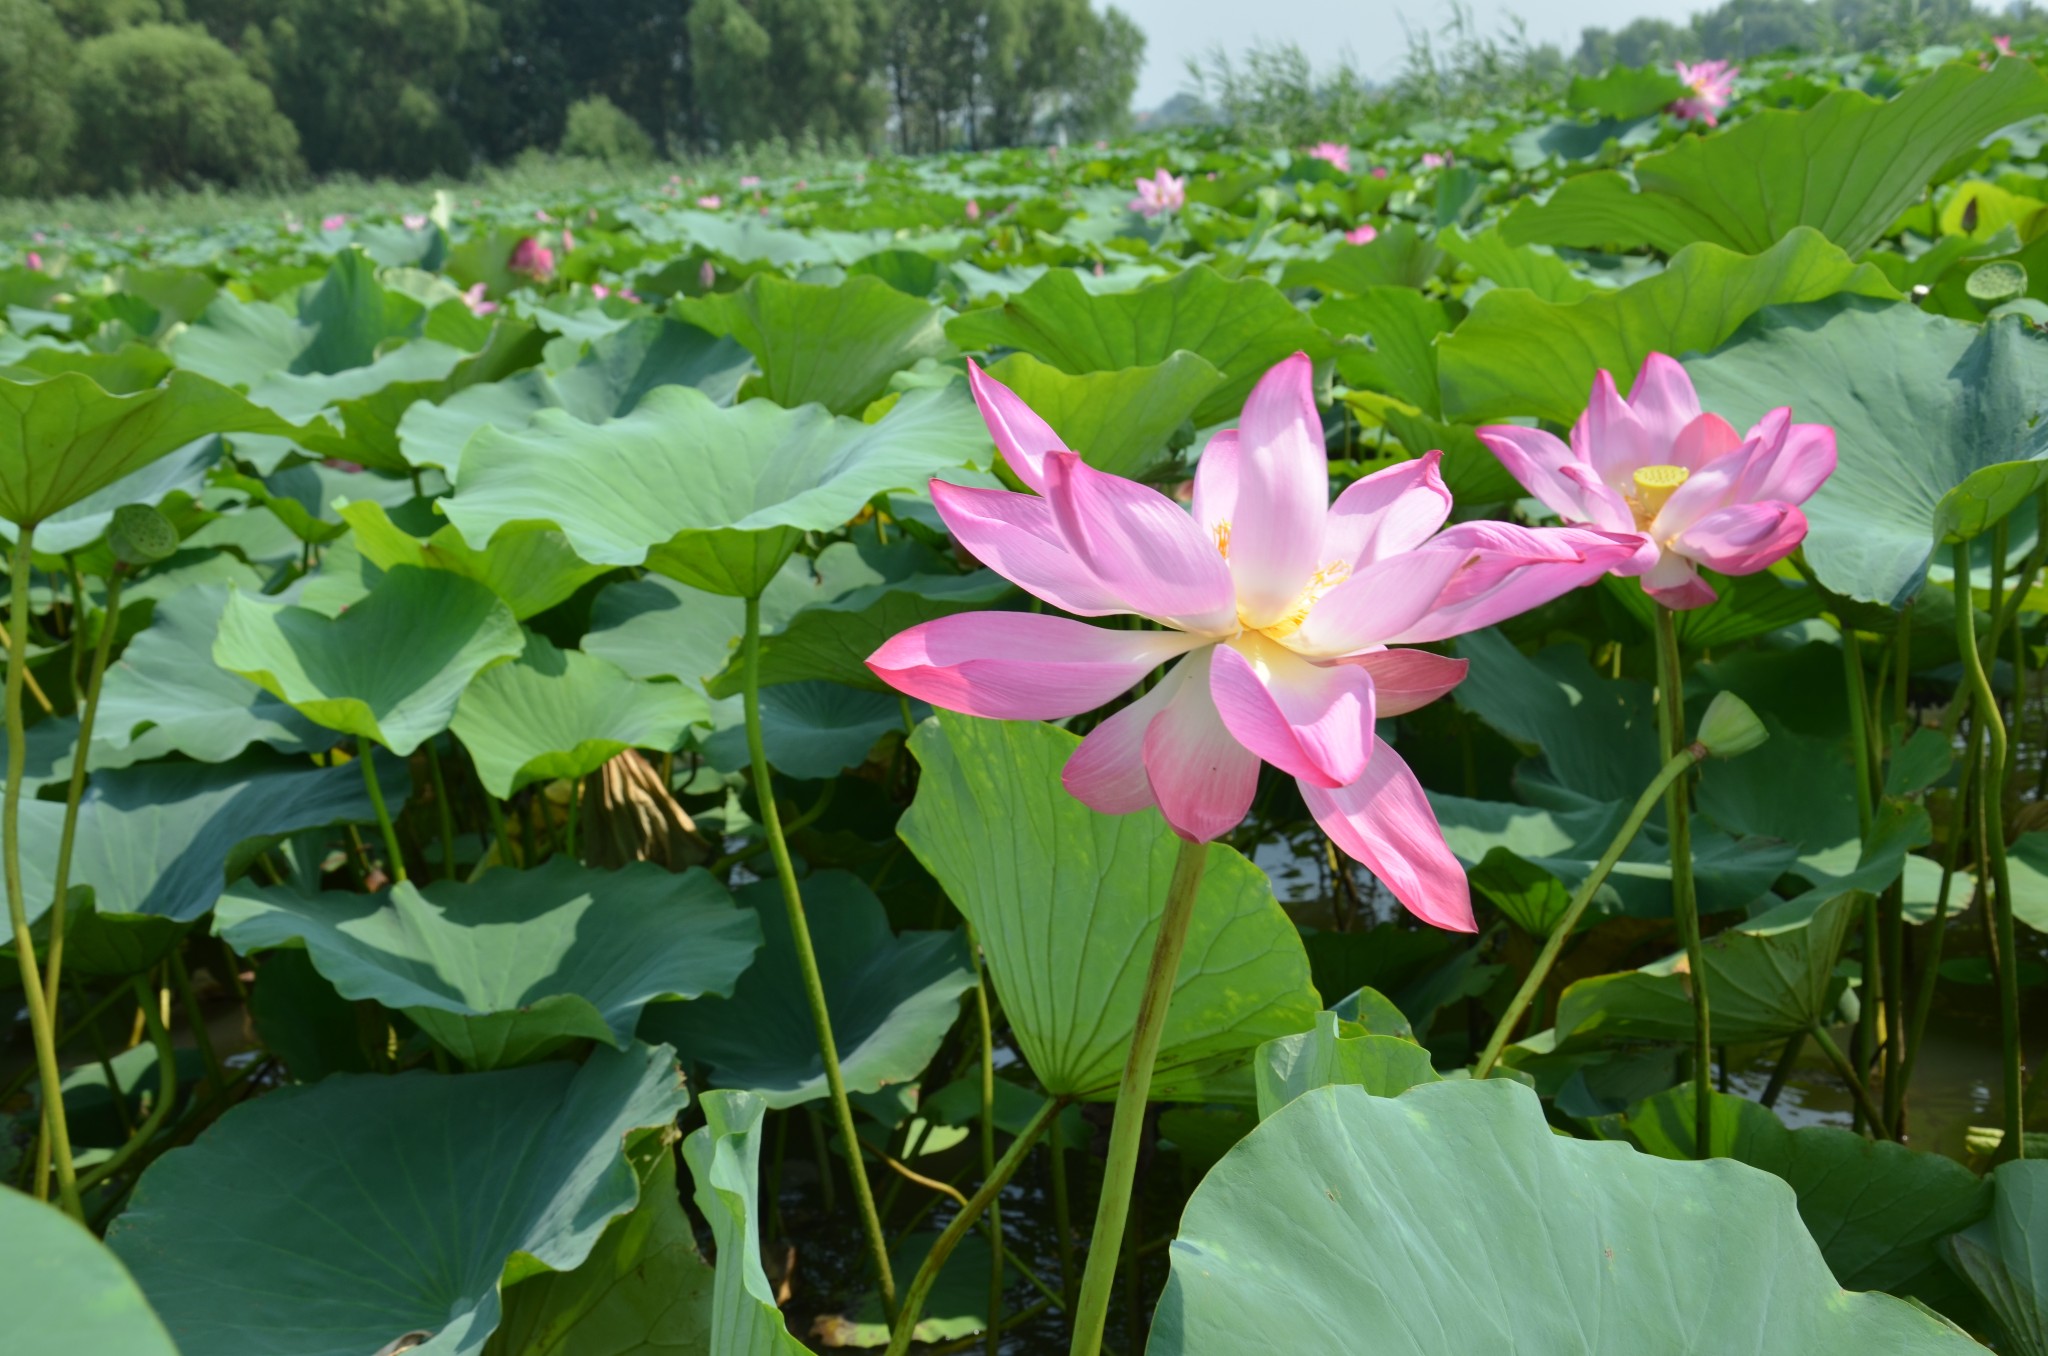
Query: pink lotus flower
711,202
1712,84
1683,484
1278,609
973,210
533,259
1339,156
1161,193
706,275
600,291
334,222
568,241
2003,43
34,262
414,221
750,181
541,214
478,303
1379,171
1364,233
1432,160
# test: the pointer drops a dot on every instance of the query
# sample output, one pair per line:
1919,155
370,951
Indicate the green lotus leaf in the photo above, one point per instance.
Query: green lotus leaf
183,472
1519,355
165,839
835,346
1385,1066
600,381
1770,977
724,1156
305,496
1392,348
1532,897
2000,1255
64,1291
1401,256
331,1220
1065,903
391,668
166,695
1878,1210
1119,421
956,1307
1748,606
1846,167
1241,327
64,438
1531,268
810,730
371,422
1455,1220
654,627
563,714
1597,734
713,497
643,1291
529,565
2027,863
892,998
508,969
1937,428
1626,92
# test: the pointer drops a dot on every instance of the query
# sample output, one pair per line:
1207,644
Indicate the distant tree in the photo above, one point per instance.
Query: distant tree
92,18
160,105
36,121
792,69
598,129
1104,76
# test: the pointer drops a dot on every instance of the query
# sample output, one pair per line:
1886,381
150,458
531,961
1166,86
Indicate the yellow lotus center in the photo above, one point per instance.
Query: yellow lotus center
1325,579
1654,486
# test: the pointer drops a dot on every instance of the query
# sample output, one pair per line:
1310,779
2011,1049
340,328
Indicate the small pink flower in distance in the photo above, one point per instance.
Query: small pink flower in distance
1161,193
1379,171
750,181
1336,155
1364,233
1431,160
706,275
973,210
1688,488
1712,84
532,259
414,221
675,178
711,202
38,237
600,291
1280,612
568,242
1098,268
2003,43
541,214
334,222
34,262
801,185
477,302
628,294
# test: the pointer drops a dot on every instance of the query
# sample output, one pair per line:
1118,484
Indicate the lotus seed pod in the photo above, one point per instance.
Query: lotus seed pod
140,535
1730,727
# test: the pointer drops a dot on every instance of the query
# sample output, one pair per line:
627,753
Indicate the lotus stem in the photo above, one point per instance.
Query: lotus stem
167,1091
1684,907
1062,1220
988,1144
1861,1090
41,1026
1098,1278
942,1247
807,961
366,754
1532,983
1937,928
1859,737
444,811
1991,780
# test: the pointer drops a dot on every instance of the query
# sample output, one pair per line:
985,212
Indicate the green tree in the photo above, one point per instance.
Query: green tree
782,68
598,129
36,122
160,105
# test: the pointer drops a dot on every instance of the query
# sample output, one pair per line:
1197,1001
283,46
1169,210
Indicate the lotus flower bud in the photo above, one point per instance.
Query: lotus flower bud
1729,727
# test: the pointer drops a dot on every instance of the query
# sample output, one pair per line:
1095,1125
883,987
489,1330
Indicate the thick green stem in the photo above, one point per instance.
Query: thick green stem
1936,930
807,961
444,811
942,1247
988,1144
1859,735
1532,983
366,754
1871,1111
1062,1220
167,1091
1684,907
1992,780
42,1029
1098,1278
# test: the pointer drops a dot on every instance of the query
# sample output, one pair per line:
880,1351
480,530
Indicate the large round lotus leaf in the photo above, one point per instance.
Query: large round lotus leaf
1118,421
711,496
331,1220
1452,1220
1847,167
65,1292
1878,1210
63,438
370,421
835,346
725,1165
2002,1256
513,966
1937,428
391,668
1242,327
529,565
1066,903
83,523
562,714
892,998
811,730
1384,1066
1517,354
166,695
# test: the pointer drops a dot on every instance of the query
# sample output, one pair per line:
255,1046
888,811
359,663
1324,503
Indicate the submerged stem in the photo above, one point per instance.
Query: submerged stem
807,961
1684,907
1559,934
1126,1133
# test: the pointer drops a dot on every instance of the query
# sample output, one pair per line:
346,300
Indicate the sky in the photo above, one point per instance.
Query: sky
1176,30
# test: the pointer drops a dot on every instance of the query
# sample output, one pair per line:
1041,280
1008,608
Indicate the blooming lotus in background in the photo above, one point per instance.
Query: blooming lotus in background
1364,233
2003,43
414,221
334,222
34,262
1685,485
1433,160
1330,151
711,202
973,210
707,274
1161,193
1280,613
1712,84
533,259
750,181
1379,171
568,241
477,302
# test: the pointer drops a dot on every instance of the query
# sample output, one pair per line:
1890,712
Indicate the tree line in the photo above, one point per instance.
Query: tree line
126,95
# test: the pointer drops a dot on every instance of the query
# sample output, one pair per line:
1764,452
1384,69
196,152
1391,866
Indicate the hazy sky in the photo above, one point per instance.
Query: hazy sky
1371,29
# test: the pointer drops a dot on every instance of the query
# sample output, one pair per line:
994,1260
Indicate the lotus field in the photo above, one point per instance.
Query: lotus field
1176,747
